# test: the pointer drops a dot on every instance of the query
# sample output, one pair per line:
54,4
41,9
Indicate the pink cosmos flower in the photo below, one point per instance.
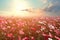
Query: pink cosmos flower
21,32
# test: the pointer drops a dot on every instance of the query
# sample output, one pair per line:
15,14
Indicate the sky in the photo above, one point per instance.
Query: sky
51,7
6,4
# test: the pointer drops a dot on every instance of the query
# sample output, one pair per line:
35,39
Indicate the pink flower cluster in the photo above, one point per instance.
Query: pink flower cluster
40,28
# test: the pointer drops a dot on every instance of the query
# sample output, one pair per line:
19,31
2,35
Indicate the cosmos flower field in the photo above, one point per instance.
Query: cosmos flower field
38,28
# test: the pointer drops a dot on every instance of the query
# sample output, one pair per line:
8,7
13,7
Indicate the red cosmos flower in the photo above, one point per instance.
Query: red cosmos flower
10,35
57,31
33,29
26,38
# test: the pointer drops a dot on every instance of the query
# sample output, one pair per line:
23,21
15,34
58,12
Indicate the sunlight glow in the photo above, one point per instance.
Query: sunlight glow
19,5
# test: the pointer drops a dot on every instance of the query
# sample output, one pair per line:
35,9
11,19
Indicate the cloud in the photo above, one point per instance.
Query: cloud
44,1
53,8
50,5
